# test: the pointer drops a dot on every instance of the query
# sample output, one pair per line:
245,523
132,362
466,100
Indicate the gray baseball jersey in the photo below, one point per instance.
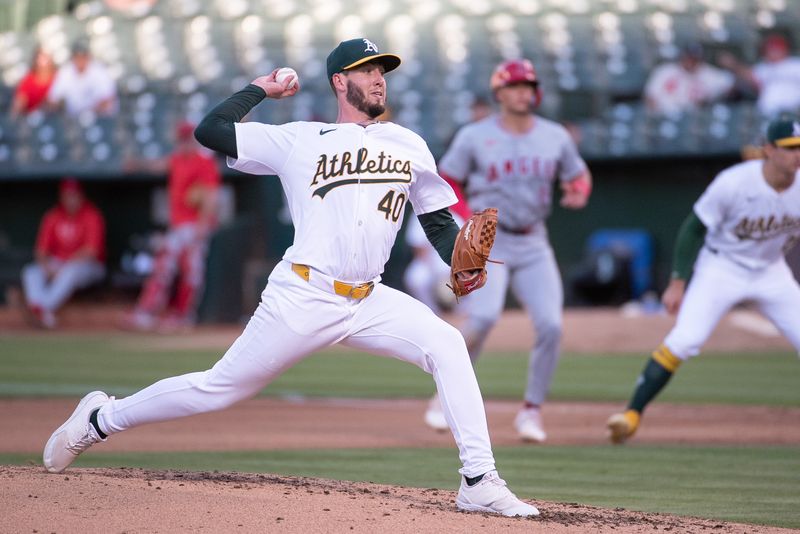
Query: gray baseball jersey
512,172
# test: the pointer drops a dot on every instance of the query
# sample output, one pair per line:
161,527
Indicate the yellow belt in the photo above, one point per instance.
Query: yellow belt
358,292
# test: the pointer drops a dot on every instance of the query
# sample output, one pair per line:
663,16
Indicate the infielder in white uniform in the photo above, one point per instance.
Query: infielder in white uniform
510,161
346,184
736,239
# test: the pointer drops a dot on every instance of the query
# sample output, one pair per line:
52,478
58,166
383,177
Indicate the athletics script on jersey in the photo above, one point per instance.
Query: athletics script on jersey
764,228
346,168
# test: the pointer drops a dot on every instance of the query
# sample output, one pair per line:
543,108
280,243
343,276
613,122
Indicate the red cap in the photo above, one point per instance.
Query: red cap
70,185
776,42
184,130
514,71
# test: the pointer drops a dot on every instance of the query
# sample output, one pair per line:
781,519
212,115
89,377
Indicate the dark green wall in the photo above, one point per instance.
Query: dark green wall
654,195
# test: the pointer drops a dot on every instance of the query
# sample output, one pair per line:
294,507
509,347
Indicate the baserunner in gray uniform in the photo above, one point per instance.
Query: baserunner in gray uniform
510,160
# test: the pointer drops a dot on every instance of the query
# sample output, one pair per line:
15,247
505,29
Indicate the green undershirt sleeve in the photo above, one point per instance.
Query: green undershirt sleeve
216,131
691,237
441,230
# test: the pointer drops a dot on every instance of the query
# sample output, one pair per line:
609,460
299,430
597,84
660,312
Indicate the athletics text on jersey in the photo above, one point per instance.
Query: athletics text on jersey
346,169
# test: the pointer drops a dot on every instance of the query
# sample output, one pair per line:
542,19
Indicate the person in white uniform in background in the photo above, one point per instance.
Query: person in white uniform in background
685,85
346,184
426,273
511,160
735,239
83,85
775,78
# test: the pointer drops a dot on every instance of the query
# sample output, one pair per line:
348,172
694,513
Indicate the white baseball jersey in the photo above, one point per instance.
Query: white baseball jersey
748,221
82,91
346,186
512,172
778,83
672,89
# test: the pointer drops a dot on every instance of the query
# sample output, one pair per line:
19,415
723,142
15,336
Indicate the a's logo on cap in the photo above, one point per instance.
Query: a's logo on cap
796,129
371,47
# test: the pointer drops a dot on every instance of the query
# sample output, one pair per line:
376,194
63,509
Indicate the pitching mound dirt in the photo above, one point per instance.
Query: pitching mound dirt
134,500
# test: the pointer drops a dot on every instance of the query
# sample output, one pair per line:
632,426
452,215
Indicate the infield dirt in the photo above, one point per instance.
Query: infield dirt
134,500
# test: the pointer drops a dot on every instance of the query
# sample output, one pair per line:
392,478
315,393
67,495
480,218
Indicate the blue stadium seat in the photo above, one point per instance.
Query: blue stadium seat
638,243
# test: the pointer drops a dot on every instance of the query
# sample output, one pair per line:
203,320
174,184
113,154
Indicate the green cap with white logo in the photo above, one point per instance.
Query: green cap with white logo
355,52
784,132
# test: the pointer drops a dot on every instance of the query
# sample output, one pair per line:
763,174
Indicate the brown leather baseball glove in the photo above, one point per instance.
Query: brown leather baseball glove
471,252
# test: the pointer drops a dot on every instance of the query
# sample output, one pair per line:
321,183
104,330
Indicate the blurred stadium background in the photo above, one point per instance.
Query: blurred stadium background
174,59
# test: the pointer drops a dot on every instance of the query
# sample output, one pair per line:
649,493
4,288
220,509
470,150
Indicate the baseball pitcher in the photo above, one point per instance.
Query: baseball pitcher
735,240
347,184
510,160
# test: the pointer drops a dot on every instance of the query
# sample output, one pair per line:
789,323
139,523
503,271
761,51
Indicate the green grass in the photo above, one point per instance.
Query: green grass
744,484
72,365
747,484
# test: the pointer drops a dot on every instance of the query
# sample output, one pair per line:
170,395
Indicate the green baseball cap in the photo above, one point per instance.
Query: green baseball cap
355,52
784,132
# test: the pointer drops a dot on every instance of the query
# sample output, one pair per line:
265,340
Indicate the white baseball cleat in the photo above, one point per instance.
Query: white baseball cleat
491,495
529,425
434,416
74,436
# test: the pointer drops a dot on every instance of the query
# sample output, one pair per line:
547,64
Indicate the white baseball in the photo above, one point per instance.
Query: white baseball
287,72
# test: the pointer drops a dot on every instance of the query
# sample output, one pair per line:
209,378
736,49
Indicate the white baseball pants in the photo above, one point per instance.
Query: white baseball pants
53,293
296,318
717,285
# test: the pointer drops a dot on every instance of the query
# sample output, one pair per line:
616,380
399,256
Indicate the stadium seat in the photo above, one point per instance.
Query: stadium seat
639,246
181,57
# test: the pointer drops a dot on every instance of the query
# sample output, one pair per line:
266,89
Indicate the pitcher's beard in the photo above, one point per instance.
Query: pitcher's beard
357,99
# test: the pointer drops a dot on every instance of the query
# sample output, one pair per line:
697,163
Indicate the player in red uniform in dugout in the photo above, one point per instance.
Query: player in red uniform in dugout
70,254
193,186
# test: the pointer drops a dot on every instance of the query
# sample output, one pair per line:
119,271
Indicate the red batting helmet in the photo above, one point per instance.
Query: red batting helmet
516,71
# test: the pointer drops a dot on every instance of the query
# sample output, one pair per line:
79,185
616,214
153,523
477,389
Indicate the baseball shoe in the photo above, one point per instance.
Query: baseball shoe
434,416
75,436
622,426
528,423
491,495
43,317
175,324
138,321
